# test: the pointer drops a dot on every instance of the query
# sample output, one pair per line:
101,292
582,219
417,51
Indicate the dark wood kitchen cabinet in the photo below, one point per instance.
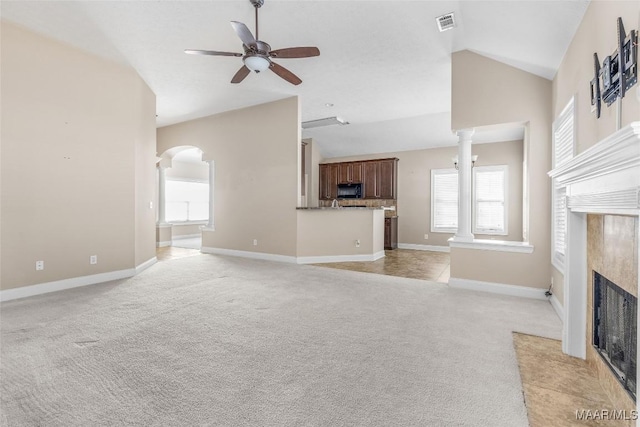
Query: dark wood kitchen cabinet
328,181
350,173
380,179
391,233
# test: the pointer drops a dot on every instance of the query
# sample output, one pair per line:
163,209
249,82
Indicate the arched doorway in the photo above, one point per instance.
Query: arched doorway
183,201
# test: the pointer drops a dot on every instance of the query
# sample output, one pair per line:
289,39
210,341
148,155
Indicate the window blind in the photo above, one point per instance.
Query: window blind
444,201
490,200
563,147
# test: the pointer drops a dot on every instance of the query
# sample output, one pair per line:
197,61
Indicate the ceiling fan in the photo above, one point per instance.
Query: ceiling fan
257,54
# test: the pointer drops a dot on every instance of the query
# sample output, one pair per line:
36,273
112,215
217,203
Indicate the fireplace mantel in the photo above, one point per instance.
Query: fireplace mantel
604,179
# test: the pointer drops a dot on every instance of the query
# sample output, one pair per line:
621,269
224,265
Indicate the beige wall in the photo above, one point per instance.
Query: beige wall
333,232
596,33
414,187
486,92
257,166
179,230
77,165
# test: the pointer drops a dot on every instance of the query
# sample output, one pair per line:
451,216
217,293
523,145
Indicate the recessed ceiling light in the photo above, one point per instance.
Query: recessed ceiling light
446,22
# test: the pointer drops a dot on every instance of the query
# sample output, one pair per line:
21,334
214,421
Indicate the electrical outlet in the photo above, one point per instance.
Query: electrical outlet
357,243
255,242
426,237
93,259
39,265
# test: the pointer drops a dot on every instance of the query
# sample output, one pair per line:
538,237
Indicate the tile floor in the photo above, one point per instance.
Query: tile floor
174,252
556,385
425,265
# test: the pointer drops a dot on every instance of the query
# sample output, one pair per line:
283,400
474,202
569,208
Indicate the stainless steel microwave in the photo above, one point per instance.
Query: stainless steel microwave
349,191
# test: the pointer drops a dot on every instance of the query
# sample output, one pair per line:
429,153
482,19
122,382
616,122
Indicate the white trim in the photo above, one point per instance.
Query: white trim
148,263
248,254
498,288
557,307
59,285
164,225
185,223
208,229
186,236
340,258
621,202
617,152
432,248
290,259
494,245
163,244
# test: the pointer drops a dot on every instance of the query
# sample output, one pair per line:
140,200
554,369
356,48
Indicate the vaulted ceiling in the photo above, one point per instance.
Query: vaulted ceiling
384,65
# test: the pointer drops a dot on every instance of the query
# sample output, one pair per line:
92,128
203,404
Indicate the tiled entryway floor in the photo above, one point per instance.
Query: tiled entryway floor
425,265
174,252
557,385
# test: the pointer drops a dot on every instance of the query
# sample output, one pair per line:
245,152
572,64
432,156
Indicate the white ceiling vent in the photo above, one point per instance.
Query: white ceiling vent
446,22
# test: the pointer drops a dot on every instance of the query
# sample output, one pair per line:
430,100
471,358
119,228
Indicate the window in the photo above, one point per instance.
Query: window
563,147
490,199
186,201
444,200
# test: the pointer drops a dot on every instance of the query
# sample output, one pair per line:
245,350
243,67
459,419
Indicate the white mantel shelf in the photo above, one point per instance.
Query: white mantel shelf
604,179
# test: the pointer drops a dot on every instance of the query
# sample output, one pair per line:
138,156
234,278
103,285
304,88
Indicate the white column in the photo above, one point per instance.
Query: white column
464,187
212,170
161,196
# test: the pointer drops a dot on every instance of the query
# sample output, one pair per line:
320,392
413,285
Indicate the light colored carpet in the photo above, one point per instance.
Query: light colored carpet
221,341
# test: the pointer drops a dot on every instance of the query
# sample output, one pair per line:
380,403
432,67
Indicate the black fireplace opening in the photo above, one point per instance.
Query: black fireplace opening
615,330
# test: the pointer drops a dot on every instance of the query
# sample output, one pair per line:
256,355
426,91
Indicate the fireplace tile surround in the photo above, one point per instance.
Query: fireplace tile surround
603,205
612,251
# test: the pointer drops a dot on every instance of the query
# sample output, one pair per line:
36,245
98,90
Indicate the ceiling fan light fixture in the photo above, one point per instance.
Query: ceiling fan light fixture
256,63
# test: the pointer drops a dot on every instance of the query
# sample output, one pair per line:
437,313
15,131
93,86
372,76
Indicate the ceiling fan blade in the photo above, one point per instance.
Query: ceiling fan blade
285,74
211,52
241,74
244,33
295,52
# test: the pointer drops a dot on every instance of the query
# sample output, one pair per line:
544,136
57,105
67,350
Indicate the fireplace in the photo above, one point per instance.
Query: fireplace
615,330
602,235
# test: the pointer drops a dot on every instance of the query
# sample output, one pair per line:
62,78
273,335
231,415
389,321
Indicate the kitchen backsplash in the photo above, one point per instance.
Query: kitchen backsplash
378,203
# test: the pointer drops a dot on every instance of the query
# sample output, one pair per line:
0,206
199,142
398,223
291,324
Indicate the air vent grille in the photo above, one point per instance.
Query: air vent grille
446,22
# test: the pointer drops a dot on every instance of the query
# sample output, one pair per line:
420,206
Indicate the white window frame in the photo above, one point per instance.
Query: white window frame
505,170
435,172
558,197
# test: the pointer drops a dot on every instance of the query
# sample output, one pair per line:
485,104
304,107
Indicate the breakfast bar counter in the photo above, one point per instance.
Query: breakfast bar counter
340,234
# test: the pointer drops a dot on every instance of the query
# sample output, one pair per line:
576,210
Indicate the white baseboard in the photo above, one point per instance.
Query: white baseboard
292,259
148,263
498,288
163,244
59,285
557,307
415,247
248,254
339,258
186,236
